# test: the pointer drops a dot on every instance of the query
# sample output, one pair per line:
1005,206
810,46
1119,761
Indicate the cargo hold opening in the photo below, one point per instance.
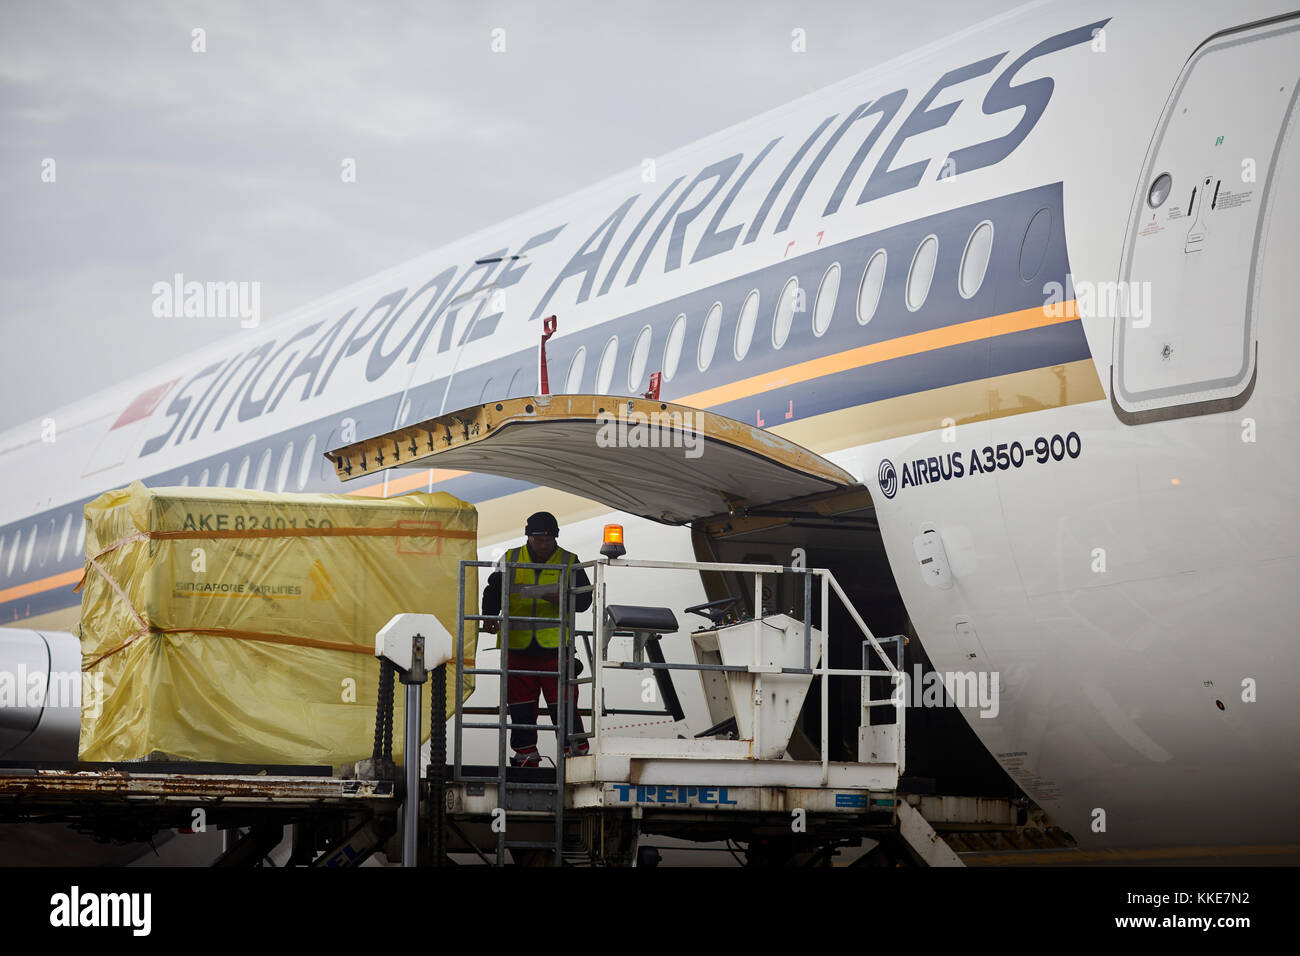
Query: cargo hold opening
839,531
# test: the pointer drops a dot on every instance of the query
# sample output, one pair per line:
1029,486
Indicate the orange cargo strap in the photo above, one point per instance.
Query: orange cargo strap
243,635
409,532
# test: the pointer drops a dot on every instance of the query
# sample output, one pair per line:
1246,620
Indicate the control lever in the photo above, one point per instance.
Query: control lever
1200,204
716,612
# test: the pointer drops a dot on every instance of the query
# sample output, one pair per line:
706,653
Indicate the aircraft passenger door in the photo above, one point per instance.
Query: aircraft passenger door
1187,344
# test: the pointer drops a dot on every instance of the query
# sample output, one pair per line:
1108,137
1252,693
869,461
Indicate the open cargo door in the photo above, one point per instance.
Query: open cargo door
661,461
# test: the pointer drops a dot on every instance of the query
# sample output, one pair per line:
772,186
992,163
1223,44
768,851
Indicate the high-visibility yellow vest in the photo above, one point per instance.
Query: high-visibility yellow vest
545,635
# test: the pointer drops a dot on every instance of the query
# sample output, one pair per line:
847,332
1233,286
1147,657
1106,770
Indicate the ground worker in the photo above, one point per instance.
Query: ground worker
535,647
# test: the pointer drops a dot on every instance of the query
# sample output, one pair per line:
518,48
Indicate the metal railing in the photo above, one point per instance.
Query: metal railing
828,583
566,694
598,645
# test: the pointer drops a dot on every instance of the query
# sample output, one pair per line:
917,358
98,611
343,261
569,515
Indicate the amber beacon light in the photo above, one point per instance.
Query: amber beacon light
613,546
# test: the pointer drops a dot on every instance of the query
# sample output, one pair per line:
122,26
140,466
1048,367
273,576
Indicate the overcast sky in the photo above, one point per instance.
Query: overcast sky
226,164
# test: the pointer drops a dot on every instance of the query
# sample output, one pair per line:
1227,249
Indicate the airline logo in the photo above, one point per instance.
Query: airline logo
144,404
322,589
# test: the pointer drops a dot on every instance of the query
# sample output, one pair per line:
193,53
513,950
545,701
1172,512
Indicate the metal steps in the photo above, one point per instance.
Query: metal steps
532,790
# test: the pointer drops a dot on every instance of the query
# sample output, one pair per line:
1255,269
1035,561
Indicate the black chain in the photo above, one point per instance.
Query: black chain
383,749
438,765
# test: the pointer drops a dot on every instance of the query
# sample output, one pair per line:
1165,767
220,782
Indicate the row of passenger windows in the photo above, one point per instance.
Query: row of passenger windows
920,277
19,553
262,479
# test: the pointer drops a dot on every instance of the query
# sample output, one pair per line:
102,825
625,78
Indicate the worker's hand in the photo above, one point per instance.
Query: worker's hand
491,626
551,594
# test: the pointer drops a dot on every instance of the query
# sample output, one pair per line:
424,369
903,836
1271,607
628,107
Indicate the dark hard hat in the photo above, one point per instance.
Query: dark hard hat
542,523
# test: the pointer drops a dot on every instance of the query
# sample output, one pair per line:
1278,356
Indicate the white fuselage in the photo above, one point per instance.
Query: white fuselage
1137,592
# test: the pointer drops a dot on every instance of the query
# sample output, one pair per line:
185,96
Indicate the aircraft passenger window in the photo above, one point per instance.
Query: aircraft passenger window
31,546
640,355
327,475
605,370
13,552
2,547
47,547
63,537
745,326
673,347
184,482
921,274
263,469
223,474
873,280
304,467
975,259
242,477
783,317
577,365
709,337
1033,248
81,537
1159,191
203,478
827,293
282,473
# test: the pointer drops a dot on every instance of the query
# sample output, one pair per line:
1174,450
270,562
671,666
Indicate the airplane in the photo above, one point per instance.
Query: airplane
1005,293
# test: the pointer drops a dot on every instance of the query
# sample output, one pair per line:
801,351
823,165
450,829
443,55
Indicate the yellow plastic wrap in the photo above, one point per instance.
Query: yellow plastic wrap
239,626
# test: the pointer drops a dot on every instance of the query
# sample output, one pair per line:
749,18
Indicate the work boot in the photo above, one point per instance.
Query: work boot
532,759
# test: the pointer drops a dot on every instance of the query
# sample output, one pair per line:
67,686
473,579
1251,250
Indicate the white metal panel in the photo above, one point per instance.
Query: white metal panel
1187,332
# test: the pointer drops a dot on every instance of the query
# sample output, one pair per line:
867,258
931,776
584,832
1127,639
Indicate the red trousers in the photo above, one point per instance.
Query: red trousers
522,691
